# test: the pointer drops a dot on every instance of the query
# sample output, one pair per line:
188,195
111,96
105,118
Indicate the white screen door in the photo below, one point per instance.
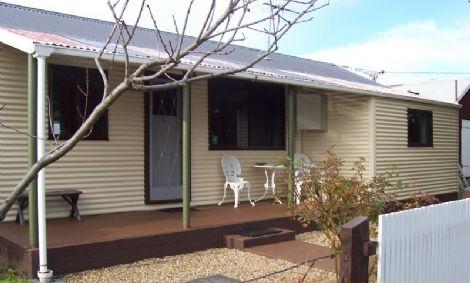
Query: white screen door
165,146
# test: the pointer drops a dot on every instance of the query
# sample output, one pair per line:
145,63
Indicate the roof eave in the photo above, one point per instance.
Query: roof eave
17,41
90,54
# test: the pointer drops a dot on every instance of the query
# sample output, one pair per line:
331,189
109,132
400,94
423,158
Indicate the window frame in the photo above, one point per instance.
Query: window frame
105,119
210,103
422,145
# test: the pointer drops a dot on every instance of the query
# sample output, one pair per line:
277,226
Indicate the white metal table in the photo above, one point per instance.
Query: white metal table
270,173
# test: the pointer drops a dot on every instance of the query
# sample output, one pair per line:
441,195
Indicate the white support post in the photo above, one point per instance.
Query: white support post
44,274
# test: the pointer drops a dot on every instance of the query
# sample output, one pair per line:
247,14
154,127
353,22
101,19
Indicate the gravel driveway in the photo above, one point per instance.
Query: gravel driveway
228,262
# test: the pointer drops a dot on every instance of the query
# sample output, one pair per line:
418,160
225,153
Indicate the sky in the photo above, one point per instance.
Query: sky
398,36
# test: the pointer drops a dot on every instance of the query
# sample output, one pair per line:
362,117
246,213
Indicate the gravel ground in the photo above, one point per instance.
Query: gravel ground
228,262
231,263
314,237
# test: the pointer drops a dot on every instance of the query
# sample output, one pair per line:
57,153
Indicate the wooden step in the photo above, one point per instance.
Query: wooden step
257,238
297,252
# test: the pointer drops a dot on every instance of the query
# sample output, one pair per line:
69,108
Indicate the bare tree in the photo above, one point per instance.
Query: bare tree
184,54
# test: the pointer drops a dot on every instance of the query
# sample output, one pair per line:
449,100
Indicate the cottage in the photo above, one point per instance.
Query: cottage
132,160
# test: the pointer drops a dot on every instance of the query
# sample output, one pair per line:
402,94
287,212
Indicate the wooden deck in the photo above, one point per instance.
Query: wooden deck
105,240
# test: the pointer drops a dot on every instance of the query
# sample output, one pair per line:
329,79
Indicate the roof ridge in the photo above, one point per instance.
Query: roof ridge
77,17
71,16
104,22
150,30
65,15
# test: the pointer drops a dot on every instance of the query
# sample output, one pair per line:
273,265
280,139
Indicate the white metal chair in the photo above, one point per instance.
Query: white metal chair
232,172
302,165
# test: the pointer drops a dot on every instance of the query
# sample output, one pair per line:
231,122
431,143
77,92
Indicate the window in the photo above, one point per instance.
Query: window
165,103
246,115
74,92
419,128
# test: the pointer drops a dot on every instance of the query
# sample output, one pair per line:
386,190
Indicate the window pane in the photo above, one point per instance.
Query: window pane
74,93
165,103
245,115
266,117
419,128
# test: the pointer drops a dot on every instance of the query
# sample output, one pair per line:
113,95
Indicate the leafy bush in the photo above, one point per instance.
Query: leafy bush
419,199
11,275
330,199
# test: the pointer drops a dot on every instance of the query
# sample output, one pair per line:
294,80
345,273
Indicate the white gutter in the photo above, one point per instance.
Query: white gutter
57,50
44,274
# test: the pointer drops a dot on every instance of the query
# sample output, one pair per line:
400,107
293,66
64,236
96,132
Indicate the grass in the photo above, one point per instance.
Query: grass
11,275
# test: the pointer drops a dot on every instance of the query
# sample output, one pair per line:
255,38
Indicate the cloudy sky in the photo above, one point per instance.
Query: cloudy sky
400,37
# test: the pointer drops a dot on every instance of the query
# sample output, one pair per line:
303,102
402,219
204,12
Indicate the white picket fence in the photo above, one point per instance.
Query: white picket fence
428,244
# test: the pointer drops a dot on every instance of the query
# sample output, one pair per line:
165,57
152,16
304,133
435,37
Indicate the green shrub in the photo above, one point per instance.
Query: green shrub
11,275
417,200
330,199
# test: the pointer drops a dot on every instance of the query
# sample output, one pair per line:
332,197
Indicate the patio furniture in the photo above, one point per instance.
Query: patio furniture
71,196
463,183
270,173
302,165
232,171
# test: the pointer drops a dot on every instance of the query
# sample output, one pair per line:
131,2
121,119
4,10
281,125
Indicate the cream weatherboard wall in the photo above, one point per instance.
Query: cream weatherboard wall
348,131
431,169
13,97
207,178
110,173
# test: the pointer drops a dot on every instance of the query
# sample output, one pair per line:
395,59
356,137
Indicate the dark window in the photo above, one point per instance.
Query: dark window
74,92
246,115
419,128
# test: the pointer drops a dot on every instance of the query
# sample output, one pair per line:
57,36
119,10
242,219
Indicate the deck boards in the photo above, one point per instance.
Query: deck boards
105,240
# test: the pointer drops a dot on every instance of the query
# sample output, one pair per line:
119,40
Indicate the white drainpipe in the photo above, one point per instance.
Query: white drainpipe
44,274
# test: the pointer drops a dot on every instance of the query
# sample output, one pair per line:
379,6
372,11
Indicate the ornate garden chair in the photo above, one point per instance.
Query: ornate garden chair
232,172
303,165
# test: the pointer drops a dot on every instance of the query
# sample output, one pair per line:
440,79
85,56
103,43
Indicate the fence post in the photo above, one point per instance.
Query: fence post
355,250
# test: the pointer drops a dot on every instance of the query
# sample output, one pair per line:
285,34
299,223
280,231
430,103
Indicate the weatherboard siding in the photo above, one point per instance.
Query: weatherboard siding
348,132
110,173
430,169
207,178
13,98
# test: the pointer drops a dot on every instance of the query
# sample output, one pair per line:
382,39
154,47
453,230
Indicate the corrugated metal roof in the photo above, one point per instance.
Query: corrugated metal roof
43,27
84,33
443,90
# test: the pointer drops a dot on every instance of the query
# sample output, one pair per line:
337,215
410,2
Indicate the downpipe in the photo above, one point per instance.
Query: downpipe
44,274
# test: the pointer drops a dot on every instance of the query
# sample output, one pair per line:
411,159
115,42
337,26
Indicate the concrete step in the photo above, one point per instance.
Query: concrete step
249,239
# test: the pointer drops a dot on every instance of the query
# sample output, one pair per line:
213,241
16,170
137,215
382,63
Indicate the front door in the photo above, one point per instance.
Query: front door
165,146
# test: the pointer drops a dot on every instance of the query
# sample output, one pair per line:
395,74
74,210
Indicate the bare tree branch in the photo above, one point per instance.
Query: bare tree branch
215,37
4,125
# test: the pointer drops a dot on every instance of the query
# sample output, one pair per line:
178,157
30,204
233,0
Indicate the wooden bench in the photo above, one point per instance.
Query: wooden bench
71,196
